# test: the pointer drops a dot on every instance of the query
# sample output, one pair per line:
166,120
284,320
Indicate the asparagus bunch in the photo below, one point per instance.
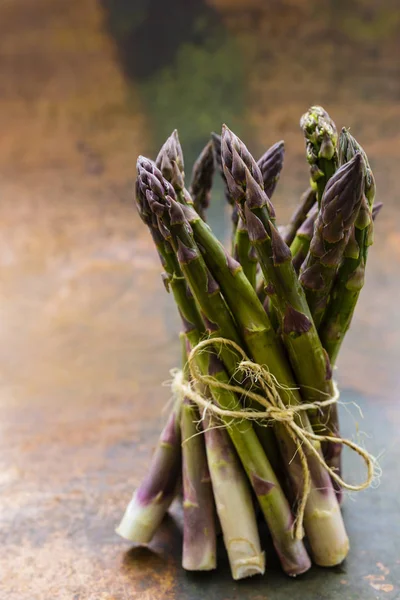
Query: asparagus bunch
222,457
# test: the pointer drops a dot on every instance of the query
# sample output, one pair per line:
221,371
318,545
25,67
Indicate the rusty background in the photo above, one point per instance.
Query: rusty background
88,334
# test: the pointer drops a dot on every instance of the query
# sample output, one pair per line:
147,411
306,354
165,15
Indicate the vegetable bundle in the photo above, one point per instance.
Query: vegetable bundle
254,426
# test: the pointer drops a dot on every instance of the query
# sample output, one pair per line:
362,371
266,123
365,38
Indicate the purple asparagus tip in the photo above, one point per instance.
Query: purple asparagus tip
170,161
270,164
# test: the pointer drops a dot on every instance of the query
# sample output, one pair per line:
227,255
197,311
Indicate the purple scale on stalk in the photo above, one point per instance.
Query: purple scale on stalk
238,168
334,231
255,227
311,278
209,325
232,264
280,250
235,190
376,209
155,184
328,366
185,254
176,212
187,325
212,285
255,196
165,278
215,366
252,254
163,229
190,213
262,487
356,280
171,433
269,289
333,257
226,153
271,209
177,177
155,206
317,246
295,322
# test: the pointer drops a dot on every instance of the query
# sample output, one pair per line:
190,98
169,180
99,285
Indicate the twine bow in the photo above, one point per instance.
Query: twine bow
274,410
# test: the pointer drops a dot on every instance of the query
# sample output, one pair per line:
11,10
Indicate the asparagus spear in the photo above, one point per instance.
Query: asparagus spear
233,502
244,252
274,505
154,495
307,356
307,201
321,137
216,145
350,277
270,164
170,161
202,178
302,241
199,538
339,210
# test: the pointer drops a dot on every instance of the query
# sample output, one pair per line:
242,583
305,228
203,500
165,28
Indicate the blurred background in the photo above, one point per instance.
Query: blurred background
87,333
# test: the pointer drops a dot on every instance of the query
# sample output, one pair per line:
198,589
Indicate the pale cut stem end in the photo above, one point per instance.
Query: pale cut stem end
206,562
244,559
199,534
234,504
325,529
139,522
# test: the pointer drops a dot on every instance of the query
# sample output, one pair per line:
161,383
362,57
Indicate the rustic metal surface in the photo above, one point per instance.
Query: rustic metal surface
88,334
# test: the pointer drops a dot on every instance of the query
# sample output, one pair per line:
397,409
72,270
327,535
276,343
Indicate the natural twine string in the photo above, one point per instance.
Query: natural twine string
274,410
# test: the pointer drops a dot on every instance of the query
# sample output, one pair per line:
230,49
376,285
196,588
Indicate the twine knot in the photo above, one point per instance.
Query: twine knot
272,409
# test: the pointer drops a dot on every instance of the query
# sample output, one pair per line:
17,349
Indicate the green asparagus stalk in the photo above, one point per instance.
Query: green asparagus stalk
321,138
307,201
202,179
301,244
272,501
154,495
308,359
244,252
233,499
340,207
199,538
350,276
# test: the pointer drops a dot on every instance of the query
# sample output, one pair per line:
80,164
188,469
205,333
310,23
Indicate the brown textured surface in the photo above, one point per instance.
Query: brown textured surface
88,334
